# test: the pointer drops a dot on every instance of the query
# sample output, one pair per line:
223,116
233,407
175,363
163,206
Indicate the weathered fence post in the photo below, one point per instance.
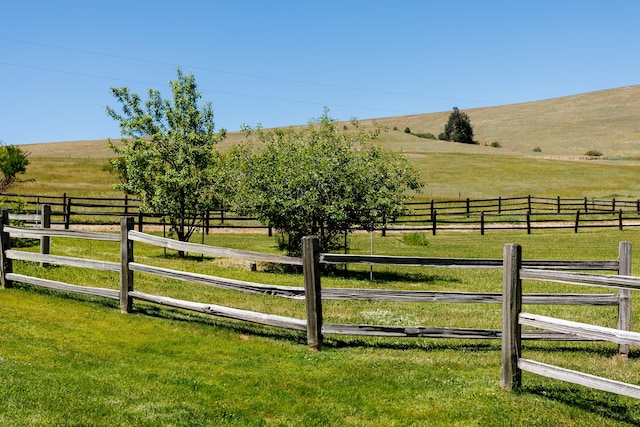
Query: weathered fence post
559,204
5,244
66,209
45,241
312,290
510,374
482,223
620,219
434,220
528,222
126,256
624,295
575,229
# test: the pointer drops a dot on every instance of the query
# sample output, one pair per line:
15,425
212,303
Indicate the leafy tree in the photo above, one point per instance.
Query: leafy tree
458,128
13,161
318,179
168,156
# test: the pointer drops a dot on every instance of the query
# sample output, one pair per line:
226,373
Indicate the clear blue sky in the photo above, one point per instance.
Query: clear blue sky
280,62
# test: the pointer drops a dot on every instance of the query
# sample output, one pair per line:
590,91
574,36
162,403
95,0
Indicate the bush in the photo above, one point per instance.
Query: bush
407,130
496,144
427,135
537,150
415,239
593,153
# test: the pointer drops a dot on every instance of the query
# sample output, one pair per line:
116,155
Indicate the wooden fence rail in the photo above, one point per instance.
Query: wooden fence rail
513,318
311,292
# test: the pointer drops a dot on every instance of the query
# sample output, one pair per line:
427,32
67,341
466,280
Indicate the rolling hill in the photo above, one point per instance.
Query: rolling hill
541,151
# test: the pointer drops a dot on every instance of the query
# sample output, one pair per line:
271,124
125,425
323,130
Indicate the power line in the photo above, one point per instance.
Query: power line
298,101
233,73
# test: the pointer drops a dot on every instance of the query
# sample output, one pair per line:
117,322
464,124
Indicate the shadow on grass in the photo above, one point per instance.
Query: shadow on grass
608,405
392,276
219,322
69,295
602,349
331,341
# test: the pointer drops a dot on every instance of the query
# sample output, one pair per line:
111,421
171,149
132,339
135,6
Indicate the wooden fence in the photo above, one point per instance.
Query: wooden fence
312,291
513,319
514,271
482,215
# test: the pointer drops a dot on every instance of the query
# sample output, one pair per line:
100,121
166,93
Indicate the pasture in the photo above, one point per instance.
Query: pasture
76,360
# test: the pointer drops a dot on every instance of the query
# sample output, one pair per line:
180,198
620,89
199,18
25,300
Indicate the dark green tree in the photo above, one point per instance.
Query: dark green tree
168,156
320,179
458,128
13,161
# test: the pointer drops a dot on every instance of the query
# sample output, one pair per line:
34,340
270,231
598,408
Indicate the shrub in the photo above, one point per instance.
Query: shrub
407,130
496,144
593,153
427,135
537,150
415,239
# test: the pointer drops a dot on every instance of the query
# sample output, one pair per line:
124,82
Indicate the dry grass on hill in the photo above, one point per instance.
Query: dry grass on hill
528,134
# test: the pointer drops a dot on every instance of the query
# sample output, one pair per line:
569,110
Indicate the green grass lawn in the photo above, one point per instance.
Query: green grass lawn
75,360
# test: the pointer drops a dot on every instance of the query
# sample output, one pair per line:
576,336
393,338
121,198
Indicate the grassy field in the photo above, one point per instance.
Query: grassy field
563,129
73,360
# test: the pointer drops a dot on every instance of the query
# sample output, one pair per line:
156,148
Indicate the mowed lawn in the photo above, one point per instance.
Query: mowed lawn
73,360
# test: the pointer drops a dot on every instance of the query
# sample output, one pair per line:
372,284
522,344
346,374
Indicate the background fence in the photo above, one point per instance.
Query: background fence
481,215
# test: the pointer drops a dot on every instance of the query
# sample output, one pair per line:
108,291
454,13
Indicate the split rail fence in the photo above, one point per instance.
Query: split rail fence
482,215
514,318
312,293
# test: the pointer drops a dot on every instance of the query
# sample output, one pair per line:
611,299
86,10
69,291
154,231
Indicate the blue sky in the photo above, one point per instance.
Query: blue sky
280,62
